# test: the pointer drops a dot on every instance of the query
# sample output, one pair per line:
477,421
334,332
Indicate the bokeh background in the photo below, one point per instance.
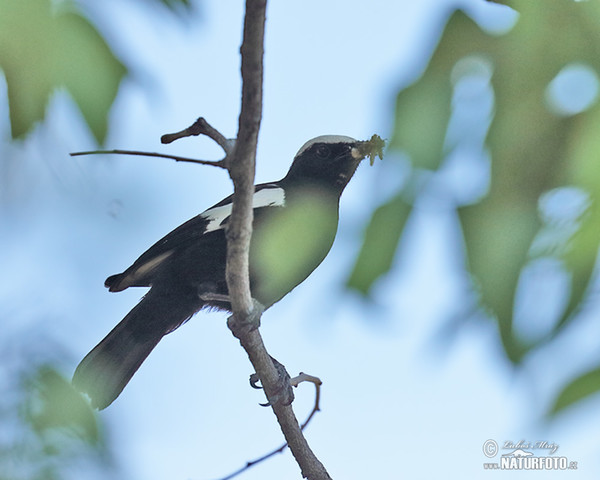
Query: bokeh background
459,303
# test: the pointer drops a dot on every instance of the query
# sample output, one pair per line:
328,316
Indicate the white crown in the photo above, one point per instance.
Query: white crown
326,139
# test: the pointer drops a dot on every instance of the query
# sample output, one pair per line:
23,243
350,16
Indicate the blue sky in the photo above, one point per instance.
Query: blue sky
397,402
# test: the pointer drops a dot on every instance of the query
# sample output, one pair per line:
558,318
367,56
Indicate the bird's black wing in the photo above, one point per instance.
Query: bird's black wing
210,222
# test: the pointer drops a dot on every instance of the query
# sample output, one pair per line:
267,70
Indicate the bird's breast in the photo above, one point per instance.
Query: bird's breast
288,244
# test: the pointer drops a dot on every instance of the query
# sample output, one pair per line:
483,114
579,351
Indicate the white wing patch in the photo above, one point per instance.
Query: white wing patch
144,268
267,197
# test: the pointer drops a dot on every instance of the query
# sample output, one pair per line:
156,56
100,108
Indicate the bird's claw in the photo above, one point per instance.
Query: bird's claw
254,381
283,394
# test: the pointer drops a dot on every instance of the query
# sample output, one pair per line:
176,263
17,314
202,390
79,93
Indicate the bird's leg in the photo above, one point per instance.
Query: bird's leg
251,322
284,394
214,297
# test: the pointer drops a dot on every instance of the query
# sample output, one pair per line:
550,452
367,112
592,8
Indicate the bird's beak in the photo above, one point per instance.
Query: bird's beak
358,151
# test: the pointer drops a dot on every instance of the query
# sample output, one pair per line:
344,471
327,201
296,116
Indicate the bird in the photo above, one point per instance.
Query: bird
294,226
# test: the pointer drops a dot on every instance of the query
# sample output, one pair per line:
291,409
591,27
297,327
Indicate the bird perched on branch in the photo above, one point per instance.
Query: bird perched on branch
295,222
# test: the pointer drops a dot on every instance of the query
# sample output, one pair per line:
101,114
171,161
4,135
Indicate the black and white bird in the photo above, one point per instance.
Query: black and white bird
295,222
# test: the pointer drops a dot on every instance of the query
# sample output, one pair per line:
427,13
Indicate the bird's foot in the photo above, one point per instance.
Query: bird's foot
247,324
283,394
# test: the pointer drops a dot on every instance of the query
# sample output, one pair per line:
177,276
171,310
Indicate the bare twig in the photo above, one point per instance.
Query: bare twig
214,163
201,127
305,377
302,377
246,313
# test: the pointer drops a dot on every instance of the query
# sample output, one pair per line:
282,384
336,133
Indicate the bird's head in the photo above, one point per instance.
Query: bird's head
331,160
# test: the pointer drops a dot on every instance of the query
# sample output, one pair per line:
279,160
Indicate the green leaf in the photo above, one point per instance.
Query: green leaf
422,114
498,235
55,404
580,257
533,148
283,236
528,144
174,4
580,388
423,109
379,246
44,47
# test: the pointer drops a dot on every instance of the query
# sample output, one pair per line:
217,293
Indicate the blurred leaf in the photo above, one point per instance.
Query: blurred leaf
182,9
43,47
583,151
48,430
380,243
534,148
423,109
580,388
283,236
422,114
528,144
174,4
498,236
55,404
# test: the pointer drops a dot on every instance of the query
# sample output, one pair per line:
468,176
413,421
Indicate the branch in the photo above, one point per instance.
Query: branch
214,163
201,127
243,159
302,377
246,313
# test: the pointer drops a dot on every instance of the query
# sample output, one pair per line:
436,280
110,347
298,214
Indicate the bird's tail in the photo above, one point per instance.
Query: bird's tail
105,371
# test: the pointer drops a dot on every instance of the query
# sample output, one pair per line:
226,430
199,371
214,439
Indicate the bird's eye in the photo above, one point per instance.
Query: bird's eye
323,151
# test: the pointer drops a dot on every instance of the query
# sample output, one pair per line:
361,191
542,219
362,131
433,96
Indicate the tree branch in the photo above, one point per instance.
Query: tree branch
246,313
302,377
243,159
201,127
214,163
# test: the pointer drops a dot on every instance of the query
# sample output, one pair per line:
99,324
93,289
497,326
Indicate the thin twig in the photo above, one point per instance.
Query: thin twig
302,377
214,163
201,127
